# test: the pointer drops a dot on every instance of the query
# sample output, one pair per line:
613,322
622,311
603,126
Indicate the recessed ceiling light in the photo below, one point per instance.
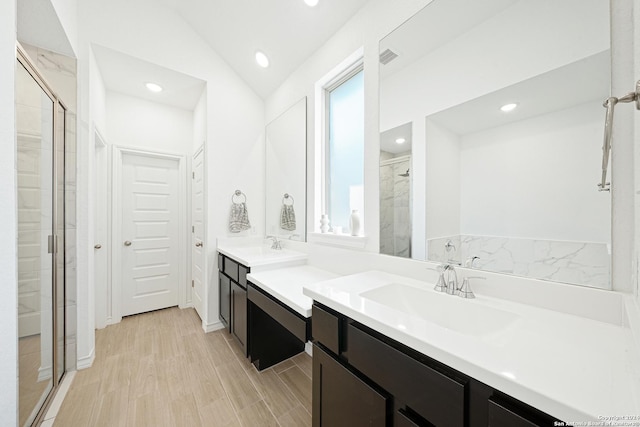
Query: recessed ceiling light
508,107
400,141
311,3
262,59
154,87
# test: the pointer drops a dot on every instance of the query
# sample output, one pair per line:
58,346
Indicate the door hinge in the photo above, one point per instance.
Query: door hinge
192,283
193,175
193,228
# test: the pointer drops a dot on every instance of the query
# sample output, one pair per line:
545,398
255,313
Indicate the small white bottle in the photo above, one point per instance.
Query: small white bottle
354,222
324,223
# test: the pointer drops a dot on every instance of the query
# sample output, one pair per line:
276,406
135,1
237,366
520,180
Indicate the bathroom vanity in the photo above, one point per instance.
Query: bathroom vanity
389,350
266,311
362,377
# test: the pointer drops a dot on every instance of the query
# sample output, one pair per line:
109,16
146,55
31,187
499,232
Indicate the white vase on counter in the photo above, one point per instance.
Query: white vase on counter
324,223
354,222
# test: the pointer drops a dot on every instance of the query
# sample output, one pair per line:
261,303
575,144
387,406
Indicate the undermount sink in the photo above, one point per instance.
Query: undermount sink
448,311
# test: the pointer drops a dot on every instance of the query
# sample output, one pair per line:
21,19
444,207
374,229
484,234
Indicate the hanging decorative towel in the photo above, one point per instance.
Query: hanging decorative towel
287,214
239,216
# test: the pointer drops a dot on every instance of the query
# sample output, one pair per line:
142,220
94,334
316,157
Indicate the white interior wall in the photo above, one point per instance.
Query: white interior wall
443,180
138,123
552,196
621,172
633,33
234,114
98,98
8,219
67,11
200,123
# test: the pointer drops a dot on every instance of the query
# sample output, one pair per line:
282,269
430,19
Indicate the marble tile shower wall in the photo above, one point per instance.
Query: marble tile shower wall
395,209
61,73
582,263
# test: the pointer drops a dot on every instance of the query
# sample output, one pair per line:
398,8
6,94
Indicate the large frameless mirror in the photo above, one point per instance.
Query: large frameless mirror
496,108
286,166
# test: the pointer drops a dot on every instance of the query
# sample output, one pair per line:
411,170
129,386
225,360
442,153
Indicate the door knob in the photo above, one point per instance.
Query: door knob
127,243
98,246
199,245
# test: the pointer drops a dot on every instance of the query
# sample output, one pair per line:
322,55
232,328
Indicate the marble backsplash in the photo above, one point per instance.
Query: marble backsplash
581,263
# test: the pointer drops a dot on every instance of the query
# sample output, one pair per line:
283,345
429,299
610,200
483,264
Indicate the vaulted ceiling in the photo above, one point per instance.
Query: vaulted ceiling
287,31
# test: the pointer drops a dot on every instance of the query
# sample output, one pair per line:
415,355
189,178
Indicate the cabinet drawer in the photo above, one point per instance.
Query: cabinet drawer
231,268
279,313
326,328
220,262
503,413
242,275
438,398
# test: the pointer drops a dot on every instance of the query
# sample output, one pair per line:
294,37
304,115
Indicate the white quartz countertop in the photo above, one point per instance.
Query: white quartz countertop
261,255
286,284
573,368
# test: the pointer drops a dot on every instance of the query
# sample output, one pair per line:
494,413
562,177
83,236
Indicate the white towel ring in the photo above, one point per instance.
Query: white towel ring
238,193
287,196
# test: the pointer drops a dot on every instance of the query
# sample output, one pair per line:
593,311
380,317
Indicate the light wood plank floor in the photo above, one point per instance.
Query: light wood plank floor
161,369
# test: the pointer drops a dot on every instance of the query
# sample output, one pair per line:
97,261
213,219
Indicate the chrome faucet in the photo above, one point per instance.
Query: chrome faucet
451,279
447,280
277,245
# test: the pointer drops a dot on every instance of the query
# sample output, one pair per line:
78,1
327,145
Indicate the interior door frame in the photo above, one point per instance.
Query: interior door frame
116,215
205,252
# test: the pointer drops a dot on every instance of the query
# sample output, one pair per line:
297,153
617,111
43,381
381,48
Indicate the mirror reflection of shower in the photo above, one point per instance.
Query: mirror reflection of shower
395,191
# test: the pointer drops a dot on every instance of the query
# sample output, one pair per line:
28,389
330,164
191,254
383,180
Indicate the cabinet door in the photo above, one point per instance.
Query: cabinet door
507,414
239,315
341,399
224,294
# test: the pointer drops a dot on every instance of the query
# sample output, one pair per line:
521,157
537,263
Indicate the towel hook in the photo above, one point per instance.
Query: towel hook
238,193
610,104
287,196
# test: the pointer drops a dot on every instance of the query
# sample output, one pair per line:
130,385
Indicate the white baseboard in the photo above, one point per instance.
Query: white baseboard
210,327
44,373
85,362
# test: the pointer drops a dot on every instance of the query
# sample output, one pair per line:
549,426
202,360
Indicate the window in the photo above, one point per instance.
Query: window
344,149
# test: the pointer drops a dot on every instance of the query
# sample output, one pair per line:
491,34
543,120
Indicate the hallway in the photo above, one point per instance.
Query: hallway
161,369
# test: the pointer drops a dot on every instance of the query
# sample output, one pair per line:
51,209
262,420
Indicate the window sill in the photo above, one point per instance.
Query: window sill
342,240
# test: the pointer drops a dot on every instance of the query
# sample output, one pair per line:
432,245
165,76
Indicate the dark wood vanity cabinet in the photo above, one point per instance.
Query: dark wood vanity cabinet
232,281
276,332
224,298
341,398
357,364
239,315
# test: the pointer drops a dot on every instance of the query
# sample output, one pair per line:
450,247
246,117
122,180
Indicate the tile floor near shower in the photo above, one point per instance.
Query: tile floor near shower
161,369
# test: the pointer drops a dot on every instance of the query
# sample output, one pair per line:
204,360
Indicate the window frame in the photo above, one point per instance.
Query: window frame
341,79
348,68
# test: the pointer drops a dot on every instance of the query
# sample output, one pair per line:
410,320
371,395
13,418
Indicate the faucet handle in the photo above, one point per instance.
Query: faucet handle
469,262
465,290
441,284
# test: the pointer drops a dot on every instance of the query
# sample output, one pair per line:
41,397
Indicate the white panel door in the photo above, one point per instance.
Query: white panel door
150,233
197,235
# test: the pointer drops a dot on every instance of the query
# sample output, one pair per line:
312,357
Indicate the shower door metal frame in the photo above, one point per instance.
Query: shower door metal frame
23,58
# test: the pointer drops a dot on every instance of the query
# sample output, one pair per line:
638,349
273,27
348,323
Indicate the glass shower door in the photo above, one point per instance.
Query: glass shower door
36,263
